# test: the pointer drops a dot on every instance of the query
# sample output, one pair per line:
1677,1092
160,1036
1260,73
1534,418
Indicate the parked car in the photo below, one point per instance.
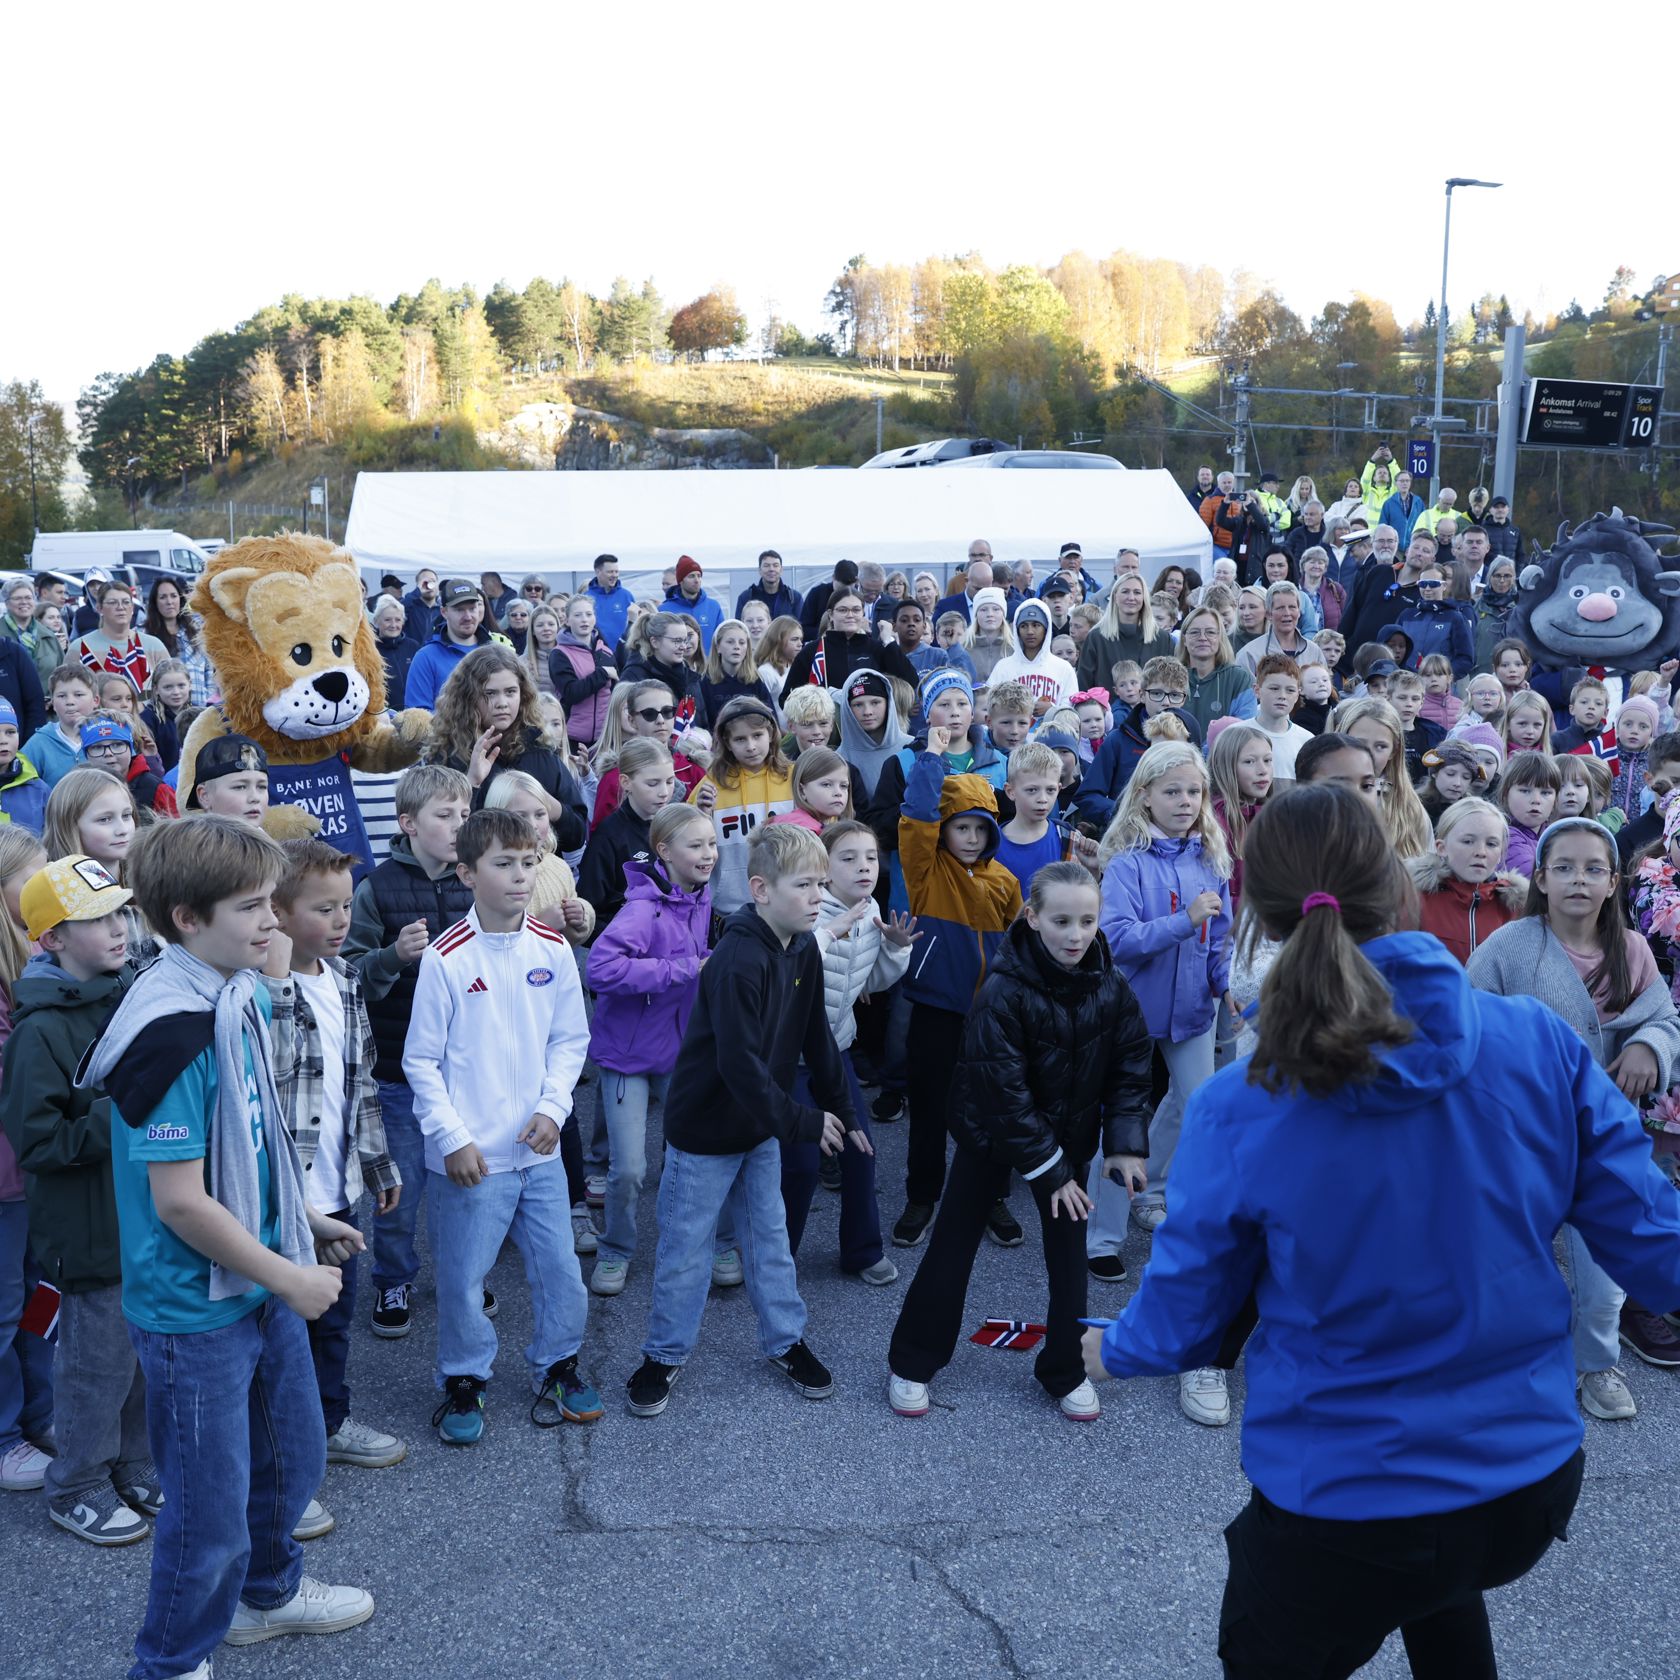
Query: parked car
1042,458
116,552
938,453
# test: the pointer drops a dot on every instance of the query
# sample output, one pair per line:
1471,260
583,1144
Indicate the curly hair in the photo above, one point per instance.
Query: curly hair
455,724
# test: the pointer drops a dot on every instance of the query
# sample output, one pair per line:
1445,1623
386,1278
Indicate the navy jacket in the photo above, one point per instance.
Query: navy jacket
1106,777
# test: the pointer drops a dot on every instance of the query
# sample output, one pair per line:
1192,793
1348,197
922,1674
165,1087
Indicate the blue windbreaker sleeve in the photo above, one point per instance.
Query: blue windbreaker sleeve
1205,1260
1625,1209
922,788
1130,933
1219,941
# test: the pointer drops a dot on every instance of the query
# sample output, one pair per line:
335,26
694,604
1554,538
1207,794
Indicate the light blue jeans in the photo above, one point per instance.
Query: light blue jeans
468,1226
624,1100
1190,1066
1597,1301
26,1362
693,1190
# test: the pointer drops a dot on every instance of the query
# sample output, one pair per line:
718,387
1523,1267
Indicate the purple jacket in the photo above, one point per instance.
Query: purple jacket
1178,971
1519,849
645,972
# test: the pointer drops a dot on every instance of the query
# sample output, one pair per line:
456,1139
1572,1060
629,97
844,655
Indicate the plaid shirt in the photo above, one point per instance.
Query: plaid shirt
201,674
300,1078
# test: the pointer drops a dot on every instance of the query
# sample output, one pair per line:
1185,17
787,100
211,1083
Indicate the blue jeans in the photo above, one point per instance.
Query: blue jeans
468,1226
26,1362
395,1258
860,1213
1596,1299
329,1335
236,1432
624,1099
693,1191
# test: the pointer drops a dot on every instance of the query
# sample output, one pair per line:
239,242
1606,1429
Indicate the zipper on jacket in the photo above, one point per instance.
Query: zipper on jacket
1475,899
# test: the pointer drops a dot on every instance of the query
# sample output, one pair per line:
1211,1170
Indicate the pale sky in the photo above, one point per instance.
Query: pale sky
177,166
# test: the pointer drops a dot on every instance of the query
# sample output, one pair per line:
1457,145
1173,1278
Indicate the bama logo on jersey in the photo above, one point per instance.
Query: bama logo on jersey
161,1131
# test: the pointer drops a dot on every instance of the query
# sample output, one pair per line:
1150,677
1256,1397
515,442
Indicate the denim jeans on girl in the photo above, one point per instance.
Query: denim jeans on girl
26,1362
468,1226
860,1212
1597,1299
1190,1065
395,1258
235,1427
693,1191
624,1100
99,1403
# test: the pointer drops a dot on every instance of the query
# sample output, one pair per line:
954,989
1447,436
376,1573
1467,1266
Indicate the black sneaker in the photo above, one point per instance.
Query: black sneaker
650,1387
1003,1227
489,1304
390,1311
887,1107
912,1224
805,1371
1107,1268
828,1172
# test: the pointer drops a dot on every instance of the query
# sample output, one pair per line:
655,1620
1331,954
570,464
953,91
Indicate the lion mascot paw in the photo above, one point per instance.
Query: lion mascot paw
287,630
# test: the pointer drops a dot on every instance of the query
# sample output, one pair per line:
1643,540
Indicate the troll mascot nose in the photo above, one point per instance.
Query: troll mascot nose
1597,608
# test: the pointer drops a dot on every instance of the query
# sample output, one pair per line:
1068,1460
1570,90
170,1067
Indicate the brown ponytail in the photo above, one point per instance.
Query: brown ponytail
1324,1010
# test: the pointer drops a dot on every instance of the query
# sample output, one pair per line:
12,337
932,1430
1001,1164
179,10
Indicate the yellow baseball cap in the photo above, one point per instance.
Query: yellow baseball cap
72,889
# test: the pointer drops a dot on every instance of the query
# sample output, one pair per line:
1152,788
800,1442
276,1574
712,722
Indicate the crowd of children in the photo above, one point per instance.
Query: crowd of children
1005,897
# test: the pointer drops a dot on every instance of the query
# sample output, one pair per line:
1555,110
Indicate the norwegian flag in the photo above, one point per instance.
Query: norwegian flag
40,1315
1017,1334
131,662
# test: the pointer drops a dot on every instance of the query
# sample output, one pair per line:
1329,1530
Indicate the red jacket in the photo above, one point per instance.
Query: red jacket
1459,915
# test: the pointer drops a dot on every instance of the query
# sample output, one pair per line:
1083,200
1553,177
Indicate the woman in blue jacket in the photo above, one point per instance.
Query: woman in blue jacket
1437,625
1385,1178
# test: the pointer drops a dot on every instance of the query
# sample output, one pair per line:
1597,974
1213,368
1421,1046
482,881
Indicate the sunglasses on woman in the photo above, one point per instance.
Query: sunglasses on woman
656,714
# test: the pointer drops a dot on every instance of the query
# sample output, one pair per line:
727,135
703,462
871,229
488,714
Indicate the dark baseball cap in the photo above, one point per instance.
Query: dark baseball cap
1269,478
227,755
1381,668
1057,585
456,590
1071,548
1500,501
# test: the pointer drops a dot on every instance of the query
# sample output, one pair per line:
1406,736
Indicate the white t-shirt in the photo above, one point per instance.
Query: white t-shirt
324,1182
1285,744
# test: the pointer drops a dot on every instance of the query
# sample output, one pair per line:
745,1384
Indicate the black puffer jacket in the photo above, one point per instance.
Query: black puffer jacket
1055,1062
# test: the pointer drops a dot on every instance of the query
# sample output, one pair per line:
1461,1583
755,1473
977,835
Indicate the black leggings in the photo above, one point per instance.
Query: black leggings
1312,1599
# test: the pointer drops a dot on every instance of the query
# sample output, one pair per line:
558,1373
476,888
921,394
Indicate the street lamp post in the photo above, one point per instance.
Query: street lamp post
1441,329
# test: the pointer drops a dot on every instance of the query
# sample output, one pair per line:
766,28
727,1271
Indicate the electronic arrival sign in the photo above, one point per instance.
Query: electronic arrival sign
1586,414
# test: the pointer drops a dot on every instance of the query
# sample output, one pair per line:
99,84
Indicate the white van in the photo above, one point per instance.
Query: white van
116,552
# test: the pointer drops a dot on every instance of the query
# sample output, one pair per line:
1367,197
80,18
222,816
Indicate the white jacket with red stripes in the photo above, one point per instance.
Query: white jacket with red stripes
497,1034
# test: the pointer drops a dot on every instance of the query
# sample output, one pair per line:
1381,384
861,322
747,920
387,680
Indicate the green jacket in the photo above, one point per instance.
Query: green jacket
44,650
62,1134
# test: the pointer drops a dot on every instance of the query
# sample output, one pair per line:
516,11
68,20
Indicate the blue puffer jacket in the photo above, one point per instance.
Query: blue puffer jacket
1402,515
1440,627
1178,971
1105,780
1453,1170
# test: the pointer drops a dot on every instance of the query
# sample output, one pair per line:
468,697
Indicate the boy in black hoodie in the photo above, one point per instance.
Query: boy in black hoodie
760,1011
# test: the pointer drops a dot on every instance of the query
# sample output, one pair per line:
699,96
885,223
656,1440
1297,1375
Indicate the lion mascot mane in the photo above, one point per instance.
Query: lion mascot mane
286,627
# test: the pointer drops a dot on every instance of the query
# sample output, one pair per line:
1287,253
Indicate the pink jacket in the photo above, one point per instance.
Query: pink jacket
796,815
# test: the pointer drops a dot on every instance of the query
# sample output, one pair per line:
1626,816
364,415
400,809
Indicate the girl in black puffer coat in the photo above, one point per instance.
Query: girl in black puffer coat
1055,1065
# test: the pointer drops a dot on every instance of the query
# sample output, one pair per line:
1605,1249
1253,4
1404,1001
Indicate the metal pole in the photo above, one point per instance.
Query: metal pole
1239,444
230,519
326,506
1510,415
880,421
1440,351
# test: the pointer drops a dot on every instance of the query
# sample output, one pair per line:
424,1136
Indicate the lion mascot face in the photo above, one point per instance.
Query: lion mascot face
1600,597
286,628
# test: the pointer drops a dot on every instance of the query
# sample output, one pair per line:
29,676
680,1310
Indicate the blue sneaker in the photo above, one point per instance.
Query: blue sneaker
565,1398
459,1421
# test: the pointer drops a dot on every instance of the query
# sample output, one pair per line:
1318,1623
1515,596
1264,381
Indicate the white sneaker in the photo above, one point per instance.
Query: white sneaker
609,1276
1604,1394
203,1672
100,1517
1082,1405
595,1190
585,1238
358,1443
880,1274
23,1468
1147,1216
317,1608
315,1521
1204,1397
726,1268
908,1399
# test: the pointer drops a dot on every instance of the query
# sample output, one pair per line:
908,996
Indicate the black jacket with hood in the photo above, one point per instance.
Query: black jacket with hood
1055,1063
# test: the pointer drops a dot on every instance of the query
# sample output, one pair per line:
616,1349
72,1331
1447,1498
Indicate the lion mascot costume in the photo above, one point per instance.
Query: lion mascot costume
286,627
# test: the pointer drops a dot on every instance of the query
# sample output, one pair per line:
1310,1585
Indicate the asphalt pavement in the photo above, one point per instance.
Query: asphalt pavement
749,1532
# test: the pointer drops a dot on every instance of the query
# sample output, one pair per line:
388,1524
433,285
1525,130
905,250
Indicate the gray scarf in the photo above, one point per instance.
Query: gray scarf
178,983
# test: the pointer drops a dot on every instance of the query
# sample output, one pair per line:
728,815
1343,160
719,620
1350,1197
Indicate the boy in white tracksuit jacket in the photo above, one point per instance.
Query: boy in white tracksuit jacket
495,1045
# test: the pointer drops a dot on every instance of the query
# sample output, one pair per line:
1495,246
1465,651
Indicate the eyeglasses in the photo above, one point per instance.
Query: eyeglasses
656,714
1167,696
1575,872
110,749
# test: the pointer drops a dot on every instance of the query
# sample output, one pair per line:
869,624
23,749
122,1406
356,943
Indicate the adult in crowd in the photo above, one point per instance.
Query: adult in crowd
1221,510
424,606
666,661
85,615
497,596
463,629
1402,510
611,600
1308,531
18,625
1201,489
396,647
1323,600
872,586
1445,506
167,618
1503,537
1020,586
979,577
1380,594
1070,562
1409,1449
533,591
1494,607
1126,630
689,596
1220,686
1436,624
811,609
847,645
1278,516
20,683
783,600
115,645
1283,632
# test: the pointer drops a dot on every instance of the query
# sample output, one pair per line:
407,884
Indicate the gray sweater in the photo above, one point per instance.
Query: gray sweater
1525,959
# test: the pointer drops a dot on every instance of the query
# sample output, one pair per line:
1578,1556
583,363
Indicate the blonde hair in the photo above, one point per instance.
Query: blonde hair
769,649
535,662
68,803
1110,624
499,796
21,853
1004,630
809,704
811,764
747,671
1403,812
778,849
1222,776
1584,767
668,823
642,752
1033,757
166,668
1129,830
1526,700
1009,699
616,733
1461,810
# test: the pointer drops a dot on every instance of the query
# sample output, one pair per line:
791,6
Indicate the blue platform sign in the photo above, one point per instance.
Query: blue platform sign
1420,457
